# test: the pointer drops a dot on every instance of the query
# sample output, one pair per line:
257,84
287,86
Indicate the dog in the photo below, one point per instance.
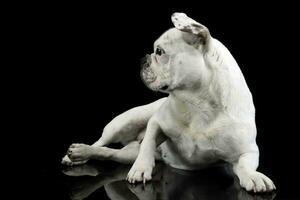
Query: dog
208,116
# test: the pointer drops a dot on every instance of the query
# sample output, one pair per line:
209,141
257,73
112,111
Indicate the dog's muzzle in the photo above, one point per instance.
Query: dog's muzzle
147,73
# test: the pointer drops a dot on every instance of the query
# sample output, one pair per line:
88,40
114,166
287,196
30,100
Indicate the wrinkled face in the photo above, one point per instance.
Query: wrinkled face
177,60
156,67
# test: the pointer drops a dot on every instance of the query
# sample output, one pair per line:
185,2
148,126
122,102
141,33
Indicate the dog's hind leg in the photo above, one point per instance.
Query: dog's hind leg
125,155
125,128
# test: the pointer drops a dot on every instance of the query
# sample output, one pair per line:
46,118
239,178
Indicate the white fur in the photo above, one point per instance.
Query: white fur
206,123
208,116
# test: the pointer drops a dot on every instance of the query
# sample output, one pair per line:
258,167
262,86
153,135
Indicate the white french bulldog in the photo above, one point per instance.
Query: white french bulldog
208,116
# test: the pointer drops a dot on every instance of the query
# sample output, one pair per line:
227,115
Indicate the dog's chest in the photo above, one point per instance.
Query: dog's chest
191,148
180,118
190,134
192,141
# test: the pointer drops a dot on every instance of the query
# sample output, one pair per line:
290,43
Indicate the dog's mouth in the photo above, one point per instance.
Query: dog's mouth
150,80
148,76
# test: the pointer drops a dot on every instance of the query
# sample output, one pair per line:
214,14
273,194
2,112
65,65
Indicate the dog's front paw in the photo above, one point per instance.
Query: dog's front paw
256,182
140,171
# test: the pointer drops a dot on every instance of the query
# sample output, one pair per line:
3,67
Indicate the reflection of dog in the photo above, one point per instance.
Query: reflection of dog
208,116
212,183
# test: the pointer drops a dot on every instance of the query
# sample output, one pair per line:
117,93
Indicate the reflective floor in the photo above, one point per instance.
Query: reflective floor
104,181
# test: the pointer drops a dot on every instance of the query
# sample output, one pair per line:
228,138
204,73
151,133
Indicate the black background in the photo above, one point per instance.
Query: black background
72,68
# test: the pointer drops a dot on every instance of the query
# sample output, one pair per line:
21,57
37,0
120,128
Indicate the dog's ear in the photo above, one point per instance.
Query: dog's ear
195,33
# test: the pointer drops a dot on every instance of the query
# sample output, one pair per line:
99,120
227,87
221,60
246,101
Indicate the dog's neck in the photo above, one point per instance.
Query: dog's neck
197,99
188,101
220,92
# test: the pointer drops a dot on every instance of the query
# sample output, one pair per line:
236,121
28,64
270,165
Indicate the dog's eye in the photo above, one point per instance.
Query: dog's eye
159,51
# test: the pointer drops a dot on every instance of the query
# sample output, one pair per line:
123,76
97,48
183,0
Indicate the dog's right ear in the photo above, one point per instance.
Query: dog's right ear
197,34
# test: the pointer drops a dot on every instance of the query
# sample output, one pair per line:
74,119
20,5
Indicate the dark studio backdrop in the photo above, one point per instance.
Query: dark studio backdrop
80,68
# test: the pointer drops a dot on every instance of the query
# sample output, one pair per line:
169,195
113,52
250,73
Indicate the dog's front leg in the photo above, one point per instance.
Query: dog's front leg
145,162
250,179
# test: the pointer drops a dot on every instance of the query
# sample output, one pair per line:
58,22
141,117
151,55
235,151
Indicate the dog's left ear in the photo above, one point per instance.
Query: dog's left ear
197,34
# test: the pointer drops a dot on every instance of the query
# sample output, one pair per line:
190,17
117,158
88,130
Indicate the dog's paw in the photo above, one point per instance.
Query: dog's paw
257,182
140,172
67,161
80,152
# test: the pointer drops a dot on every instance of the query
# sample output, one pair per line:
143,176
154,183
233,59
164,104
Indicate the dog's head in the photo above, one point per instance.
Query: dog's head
178,59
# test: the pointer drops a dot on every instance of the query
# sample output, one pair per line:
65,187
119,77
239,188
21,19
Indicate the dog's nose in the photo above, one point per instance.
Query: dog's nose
145,61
